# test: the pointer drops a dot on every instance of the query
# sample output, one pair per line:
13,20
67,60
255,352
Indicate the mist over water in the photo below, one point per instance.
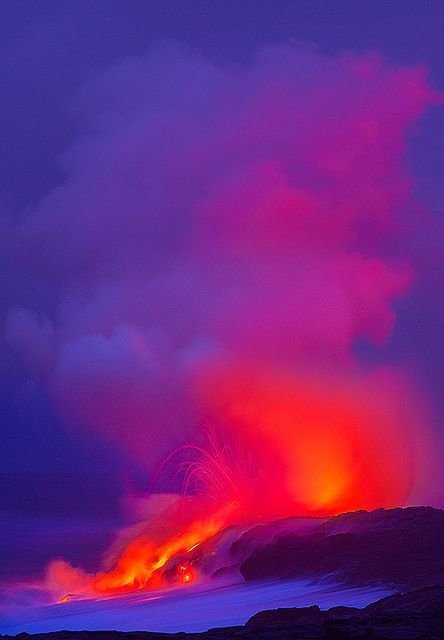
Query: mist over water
191,609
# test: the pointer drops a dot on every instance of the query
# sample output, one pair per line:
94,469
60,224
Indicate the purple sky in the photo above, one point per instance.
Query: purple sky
72,80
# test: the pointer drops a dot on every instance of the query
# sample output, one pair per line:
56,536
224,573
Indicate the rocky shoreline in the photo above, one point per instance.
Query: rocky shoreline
416,615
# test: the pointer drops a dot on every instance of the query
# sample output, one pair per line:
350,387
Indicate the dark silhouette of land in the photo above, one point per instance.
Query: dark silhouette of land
403,548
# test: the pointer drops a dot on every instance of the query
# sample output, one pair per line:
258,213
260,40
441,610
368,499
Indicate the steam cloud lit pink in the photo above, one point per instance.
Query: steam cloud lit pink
219,217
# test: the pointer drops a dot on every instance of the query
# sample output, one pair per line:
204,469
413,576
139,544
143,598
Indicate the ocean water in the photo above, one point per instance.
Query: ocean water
191,608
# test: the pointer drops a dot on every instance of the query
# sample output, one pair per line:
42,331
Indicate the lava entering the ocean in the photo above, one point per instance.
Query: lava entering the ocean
283,447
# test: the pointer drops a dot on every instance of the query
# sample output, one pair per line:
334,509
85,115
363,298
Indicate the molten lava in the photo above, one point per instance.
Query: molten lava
141,564
281,446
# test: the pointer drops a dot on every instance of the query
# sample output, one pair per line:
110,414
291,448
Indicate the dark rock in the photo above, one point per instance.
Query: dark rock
342,613
282,617
428,601
419,614
399,547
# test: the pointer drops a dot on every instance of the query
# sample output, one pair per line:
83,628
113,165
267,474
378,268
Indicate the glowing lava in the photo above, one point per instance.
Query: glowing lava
142,561
282,446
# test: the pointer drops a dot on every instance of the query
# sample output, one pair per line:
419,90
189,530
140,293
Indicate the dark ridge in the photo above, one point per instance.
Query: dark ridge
399,547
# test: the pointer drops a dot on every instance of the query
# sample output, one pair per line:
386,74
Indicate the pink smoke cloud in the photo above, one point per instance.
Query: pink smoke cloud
213,214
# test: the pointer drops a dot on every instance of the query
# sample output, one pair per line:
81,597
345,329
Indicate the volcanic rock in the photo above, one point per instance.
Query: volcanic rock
403,548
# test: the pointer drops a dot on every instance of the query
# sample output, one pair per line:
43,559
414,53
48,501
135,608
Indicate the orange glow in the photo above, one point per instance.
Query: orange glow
185,573
320,446
282,446
64,599
140,564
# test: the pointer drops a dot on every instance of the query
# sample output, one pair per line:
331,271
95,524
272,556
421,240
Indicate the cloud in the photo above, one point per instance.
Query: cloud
34,336
217,214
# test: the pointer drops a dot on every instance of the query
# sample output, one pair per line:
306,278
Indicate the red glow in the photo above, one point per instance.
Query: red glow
142,561
322,446
286,445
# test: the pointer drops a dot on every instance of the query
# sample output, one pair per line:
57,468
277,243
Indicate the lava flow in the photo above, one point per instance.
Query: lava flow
142,563
280,446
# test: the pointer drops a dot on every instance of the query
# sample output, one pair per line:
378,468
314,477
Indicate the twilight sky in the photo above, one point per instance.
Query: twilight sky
192,191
